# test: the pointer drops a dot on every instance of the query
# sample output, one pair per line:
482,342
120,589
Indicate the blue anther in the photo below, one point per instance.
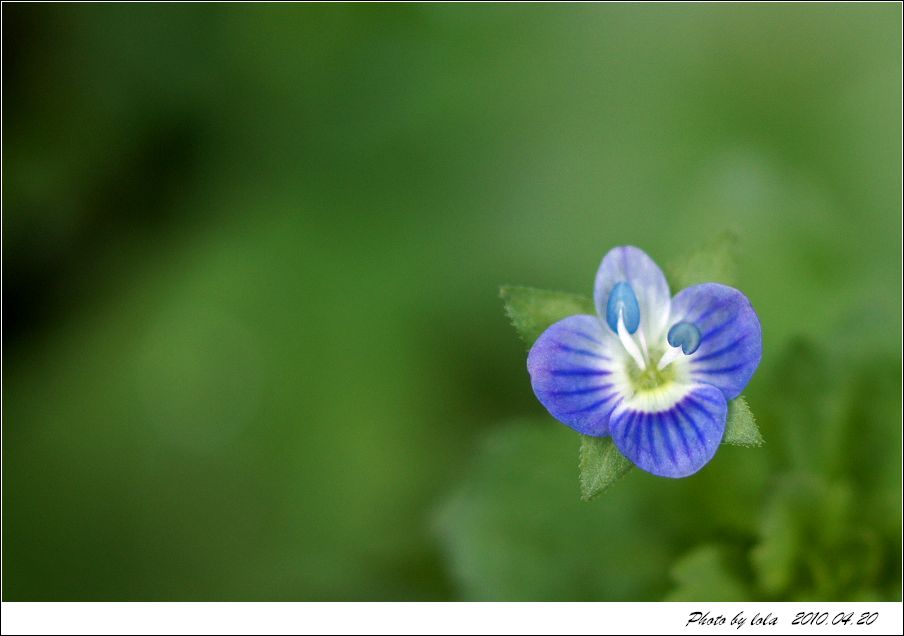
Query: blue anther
622,301
686,336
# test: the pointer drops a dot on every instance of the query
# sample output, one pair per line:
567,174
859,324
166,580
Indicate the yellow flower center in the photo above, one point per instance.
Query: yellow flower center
651,378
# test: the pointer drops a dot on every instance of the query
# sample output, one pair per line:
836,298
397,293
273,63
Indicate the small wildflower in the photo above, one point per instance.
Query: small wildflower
653,371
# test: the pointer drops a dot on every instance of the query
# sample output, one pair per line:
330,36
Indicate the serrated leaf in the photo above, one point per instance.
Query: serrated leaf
740,426
601,465
533,310
714,261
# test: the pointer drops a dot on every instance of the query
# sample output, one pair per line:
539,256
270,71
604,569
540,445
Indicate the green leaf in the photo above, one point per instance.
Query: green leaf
714,261
740,427
511,528
601,465
533,310
706,574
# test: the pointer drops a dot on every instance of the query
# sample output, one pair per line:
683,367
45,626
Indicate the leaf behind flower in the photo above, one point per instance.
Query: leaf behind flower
532,310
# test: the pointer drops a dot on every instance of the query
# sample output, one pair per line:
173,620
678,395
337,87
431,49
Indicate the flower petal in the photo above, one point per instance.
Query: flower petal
676,441
633,266
731,339
574,370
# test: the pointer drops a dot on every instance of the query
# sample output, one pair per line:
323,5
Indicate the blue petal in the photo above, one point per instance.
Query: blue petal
676,441
731,340
631,265
572,368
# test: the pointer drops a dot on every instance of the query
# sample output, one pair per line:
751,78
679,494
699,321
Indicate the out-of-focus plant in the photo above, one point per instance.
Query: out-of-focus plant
814,515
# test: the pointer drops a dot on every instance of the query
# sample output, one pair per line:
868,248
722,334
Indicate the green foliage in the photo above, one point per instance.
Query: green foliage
830,526
749,526
533,310
705,573
601,465
512,529
740,425
812,543
714,261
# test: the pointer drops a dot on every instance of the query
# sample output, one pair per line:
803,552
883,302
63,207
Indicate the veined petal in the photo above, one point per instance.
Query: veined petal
676,441
731,340
576,372
631,265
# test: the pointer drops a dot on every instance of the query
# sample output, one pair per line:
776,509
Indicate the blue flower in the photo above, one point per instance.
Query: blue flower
654,371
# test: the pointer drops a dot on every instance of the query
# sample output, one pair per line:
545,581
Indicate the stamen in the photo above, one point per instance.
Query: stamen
684,335
623,303
643,344
628,342
669,357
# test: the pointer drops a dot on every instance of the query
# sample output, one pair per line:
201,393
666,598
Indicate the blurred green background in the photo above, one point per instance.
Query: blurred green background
253,348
